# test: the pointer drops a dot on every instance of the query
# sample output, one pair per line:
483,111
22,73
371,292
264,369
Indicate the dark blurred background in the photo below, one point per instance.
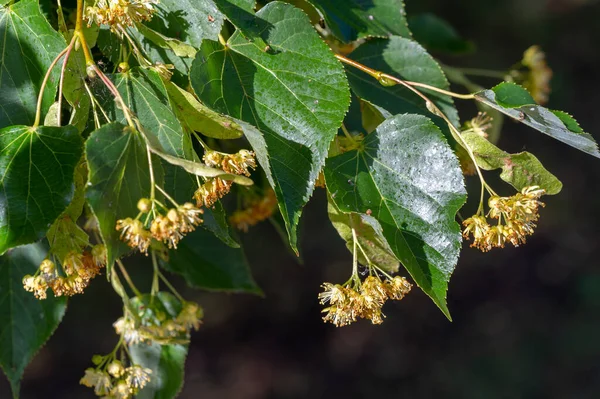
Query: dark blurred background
526,320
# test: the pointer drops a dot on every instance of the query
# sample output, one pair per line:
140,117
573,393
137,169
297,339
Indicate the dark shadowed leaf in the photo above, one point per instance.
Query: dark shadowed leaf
206,262
408,60
27,322
119,177
364,18
167,363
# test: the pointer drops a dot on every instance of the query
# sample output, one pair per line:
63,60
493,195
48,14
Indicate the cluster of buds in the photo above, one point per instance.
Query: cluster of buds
516,217
120,13
347,304
216,188
78,269
112,380
537,76
256,212
161,328
169,228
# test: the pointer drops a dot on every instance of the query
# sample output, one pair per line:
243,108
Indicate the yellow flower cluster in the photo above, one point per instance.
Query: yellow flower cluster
347,304
537,81
216,188
237,164
116,381
516,217
211,191
173,226
169,228
78,269
162,331
120,13
479,125
258,211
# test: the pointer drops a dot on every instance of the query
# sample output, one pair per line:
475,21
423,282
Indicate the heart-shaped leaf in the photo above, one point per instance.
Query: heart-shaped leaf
36,180
408,179
296,94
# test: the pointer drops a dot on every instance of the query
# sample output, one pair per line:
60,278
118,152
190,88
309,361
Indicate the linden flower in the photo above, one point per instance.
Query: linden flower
173,226
37,285
120,13
257,212
137,377
347,304
190,316
211,191
479,125
116,369
122,390
539,76
397,287
238,163
127,329
478,227
98,380
134,234
99,255
516,217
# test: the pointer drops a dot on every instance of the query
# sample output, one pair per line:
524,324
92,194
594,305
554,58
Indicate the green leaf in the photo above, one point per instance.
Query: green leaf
27,322
519,170
407,60
436,34
241,14
409,180
199,117
36,180
190,21
118,177
28,45
167,363
206,262
145,94
516,102
365,17
180,48
369,236
296,95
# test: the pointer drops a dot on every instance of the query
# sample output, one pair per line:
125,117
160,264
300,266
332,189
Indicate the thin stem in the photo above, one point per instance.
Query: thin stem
139,54
128,278
38,112
155,287
89,60
442,91
355,258
202,143
170,286
62,79
347,133
151,169
115,92
163,192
